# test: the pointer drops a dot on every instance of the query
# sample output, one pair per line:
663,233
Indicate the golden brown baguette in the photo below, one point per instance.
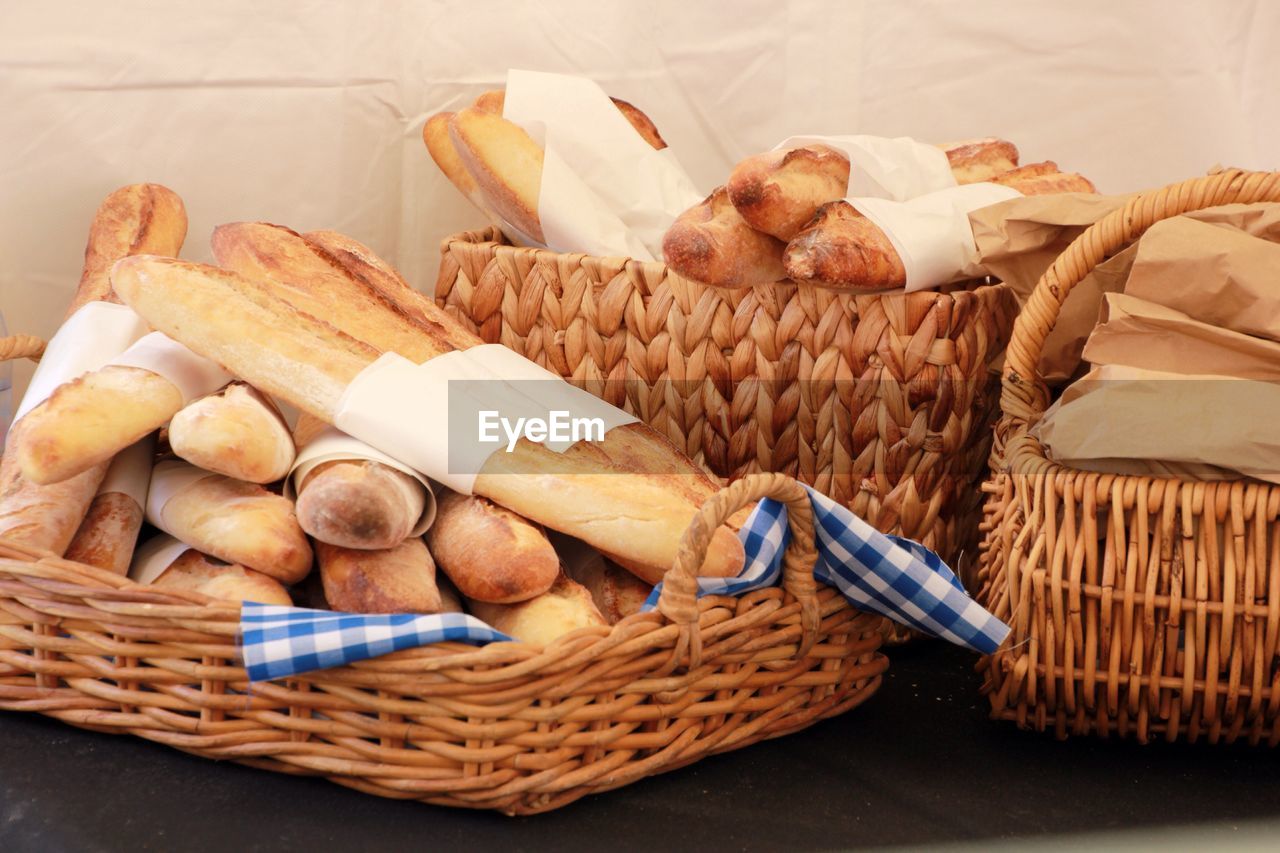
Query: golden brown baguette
435,134
494,100
108,534
1044,179
230,519
505,163
617,593
140,218
566,607
396,580
359,504
976,160
260,337
197,572
778,192
237,432
713,244
489,552
841,249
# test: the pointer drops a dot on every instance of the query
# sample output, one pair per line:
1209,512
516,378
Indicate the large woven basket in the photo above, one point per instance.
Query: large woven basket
883,402
507,726
1141,606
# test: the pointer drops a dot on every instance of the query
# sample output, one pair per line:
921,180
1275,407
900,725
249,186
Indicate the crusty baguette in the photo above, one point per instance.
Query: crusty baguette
309,363
234,521
490,553
197,572
976,160
494,100
711,243
395,580
1044,179
778,192
237,432
565,607
841,249
505,163
435,134
108,534
140,218
359,504
617,593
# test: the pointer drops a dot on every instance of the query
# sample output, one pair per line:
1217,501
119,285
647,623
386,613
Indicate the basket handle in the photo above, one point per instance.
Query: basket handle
678,601
1023,395
21,346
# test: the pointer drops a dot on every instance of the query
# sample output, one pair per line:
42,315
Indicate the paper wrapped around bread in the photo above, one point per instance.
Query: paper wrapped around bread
237,432
230,519
493,101
490,553
712,243
505,163
395,580
268,334
166,563
137,219
566,607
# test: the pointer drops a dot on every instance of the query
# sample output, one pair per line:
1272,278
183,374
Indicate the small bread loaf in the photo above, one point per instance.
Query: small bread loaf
232,520
237,432
778,192
108,534
359,504
490,553
713,244
506,164
1044,179
396,580
494,101
843,250
565,607
617,593
206,575
976,160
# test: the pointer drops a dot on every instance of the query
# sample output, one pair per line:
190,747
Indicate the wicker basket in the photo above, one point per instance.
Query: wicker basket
1142,606
507,726
883,402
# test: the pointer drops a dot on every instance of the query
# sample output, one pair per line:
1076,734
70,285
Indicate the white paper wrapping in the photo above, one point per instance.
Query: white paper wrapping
90,338
333,445
403,409
193,375
154,556
130,471
932,232
605,191
880,167
167,479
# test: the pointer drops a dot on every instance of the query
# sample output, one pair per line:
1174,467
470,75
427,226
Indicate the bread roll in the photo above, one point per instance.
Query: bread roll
140,218
359,504
778,192
976,160
260,333
396,580
490,553
505,163
713,244
108,534
494,101
196,572
566,607
230,519
843,250
237,432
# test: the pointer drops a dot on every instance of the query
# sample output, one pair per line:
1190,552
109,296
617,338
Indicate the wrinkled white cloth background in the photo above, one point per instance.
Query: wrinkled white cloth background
309,113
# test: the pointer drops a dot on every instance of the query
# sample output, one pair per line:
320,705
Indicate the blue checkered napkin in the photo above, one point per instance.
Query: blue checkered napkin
281,641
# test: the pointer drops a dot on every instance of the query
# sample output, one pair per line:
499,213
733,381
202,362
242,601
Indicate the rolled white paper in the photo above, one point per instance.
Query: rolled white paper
880,167
154,556
130,471
167,479
193,375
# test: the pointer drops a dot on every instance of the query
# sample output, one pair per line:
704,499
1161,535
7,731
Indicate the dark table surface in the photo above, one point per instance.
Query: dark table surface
919,764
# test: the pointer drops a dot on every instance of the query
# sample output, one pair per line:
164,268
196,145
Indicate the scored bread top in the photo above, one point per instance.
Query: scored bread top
711,243
778,192
842,249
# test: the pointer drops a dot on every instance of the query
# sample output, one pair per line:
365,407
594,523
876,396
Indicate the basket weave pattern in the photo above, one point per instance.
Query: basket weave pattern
883,402
507,726
1140,606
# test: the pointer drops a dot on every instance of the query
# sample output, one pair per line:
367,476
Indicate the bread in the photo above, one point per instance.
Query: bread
1044,179
505,163
196,572
229,519
617,593
450,600
976,160
135,219
778,192
494,100
566,607
360,504
108,534
435,133
490,553
396,580
237,432
713,244
265,340
843,250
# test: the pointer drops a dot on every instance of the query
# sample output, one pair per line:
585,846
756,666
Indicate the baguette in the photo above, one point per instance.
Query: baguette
237,432
617,593
232,520
359,504
108,534
263,339
494,100
140,218
713,244
976,160
395,580
566,607
202,573
777,192
1044,179
490,553
505,163
435,134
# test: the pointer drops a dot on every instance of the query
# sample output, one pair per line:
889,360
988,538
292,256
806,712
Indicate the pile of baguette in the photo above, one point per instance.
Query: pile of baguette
547,544
782,217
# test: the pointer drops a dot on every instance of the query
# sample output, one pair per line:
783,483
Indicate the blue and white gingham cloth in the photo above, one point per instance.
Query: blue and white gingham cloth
889,575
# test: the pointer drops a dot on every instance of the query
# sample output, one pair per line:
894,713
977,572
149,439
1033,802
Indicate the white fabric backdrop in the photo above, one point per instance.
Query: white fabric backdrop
309,113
